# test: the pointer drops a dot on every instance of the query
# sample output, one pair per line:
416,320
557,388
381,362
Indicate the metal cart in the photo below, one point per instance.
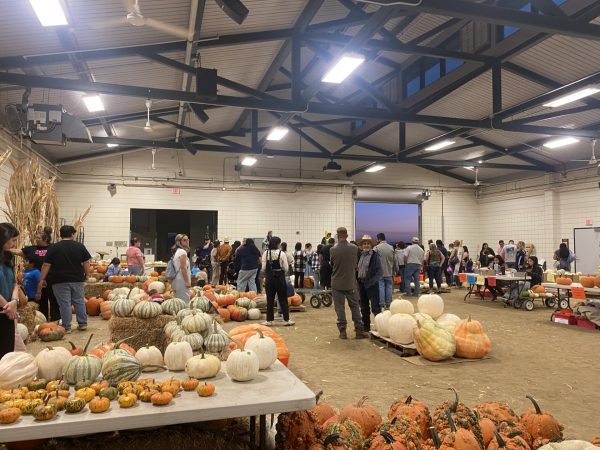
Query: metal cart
318,297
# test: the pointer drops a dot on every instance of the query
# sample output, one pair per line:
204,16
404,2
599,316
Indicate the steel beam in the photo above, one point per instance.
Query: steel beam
548,7
349,143
126,117
505,16
496,88
202,134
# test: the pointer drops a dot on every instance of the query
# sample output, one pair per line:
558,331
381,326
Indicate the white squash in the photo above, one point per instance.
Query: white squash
402,328
194,339
121,291
242,365
170,327
177,354
254,314
402,307
431,304
50,362
23,331
265,349
202,366
381,323
444,286
17,368
82,368
157,286
39,318
196,322
136,291
448,321
150,356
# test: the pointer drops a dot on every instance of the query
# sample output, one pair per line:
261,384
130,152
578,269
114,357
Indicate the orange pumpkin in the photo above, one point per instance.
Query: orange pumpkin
106,293
47,326
225,315
154,274
488,428
101,269
367,417
207,287
117,279
243,332
205,390
92,306
106,310
161,398
99,404
413,409
471,340
250,294
322,411
295,300
537,289
540,424
597,281
564,281
131,278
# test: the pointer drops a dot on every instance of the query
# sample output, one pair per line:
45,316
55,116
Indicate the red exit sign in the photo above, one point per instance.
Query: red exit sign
175,190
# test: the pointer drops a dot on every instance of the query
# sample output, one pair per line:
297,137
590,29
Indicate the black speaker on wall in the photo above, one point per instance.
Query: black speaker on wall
206,83
235,9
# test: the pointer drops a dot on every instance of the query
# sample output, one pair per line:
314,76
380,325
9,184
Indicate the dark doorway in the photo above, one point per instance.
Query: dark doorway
157,228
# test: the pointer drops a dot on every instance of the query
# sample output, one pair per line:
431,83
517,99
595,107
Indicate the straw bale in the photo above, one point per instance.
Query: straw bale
96,289
143,331
27,318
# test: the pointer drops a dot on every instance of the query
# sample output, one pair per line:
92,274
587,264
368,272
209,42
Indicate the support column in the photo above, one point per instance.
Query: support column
550,233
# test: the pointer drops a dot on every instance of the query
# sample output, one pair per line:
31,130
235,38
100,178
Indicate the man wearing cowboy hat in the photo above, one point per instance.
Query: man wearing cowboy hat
369,273
413,259
223,257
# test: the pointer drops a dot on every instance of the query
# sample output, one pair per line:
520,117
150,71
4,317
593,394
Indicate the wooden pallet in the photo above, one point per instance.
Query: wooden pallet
401,350
262,306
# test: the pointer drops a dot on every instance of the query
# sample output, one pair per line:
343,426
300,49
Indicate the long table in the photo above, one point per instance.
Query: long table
505,278
567,289
274,390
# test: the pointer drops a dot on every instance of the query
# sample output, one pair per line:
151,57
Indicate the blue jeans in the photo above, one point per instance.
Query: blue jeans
246,278
412,274
67,294
385,291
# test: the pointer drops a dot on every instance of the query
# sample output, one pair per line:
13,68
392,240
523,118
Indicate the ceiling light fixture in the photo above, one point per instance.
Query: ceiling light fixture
375,168
572,97
561,142
112,145
277,134
470,167
248,161
49,12
93,103
343,68
439,145
148,126
234,9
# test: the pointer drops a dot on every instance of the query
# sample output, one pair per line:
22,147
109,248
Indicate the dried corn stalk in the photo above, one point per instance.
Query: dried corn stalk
31,201
5,155
79,219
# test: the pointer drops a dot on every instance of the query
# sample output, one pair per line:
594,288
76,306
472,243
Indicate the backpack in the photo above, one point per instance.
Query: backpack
171,272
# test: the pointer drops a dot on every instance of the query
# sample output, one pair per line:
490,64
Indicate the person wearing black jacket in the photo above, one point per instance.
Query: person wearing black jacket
369,272
444,250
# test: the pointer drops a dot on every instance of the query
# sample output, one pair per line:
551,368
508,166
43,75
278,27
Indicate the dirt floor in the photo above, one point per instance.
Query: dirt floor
556,364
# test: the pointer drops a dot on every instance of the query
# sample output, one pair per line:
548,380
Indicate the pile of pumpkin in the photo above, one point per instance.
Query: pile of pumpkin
436,335
409,425
537,291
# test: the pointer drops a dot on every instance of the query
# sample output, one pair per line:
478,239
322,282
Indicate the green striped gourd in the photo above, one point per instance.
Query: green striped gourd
173,306
196,322
201,303
245,303
83,367
121,367
184,313
216,342
194,339
177,335
123,307
170,327
74,405
147,310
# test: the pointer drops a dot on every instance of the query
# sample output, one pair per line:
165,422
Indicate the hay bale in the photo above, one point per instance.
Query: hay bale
27,318
96,289
144,331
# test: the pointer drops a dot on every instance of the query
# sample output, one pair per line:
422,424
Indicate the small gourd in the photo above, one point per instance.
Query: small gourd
9,415
99,405
74,405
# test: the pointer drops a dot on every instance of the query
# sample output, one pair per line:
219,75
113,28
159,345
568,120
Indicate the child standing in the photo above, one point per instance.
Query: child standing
30,280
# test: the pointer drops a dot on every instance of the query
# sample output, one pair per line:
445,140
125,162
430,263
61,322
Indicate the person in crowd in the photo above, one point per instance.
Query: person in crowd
37,253
497,264
215,265
182,282
399,265
275,267
114,268
308,256
223,256
68,264
30,280
9,290
433,260
249,260
233,266
325,262
450,268
316,266
369,275
325,240
486,255
135,258
202,253
530,250
343,284
265,242
456,262
533,276
386,282
500,249
564,257
466,264
521,257
444,268
299,260
509,253
413,259
289,257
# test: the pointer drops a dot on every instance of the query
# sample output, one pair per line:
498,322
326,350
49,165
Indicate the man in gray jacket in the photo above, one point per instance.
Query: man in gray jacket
386,283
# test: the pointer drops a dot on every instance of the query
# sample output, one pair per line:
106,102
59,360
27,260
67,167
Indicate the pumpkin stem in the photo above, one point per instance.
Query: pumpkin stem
331,439
389,439
408,400
435,437
535,404
260,334
499,440
118,343
454,406
73,346
318,396
238,343
86,344
362,401
451,421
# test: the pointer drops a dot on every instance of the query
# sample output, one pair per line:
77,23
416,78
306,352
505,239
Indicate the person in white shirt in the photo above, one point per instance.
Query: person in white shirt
509,252
399,264
500,249
182,282
413,259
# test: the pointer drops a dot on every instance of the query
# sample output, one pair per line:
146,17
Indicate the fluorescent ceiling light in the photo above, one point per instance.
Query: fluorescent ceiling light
439,145
248,161
375,168
93,103
112,145
49,12
343,68
561,142
277,133
470,168
572,97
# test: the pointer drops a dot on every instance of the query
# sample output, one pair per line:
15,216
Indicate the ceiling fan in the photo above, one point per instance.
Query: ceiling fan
593,160
477,183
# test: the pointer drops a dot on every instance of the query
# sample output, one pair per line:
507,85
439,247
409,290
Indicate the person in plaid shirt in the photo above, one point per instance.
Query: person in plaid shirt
316,266
298,266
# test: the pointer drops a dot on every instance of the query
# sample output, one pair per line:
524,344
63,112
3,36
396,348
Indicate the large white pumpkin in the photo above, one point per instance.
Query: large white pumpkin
202,366
157,286
381,323
17,369
402,328
150,356
136,291
39,318
254,314
448,321
177,354
50,362
23,331
402,307
242,365
431,304
121,291
265,349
